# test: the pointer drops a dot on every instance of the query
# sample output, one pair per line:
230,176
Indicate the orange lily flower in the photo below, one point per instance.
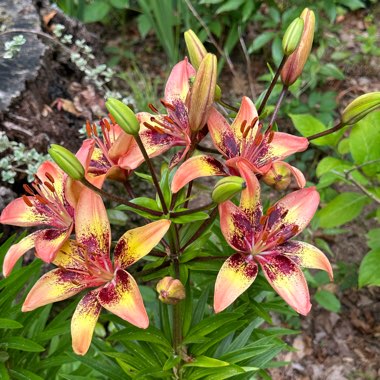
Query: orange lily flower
242,140
45,205
265,240
86,263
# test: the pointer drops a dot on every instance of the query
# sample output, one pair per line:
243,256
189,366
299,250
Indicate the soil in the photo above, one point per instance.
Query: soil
331,346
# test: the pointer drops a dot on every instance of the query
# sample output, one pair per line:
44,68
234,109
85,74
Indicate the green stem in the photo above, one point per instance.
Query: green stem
272,84
278,104
152,172
327,131
119,199
228,106
191,211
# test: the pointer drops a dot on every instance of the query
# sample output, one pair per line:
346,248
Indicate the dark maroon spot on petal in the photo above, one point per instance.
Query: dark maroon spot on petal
278,266
51,234
230,147
214,163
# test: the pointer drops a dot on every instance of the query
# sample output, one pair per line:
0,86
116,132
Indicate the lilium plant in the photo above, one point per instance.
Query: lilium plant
265,239
86,263
243,139
45,205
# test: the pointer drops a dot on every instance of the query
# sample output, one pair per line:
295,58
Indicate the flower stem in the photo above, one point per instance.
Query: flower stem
120,199
272,84
278,104
152,172
191,211
327,131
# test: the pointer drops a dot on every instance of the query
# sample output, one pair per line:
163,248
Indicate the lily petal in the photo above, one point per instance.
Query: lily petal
92,227
56,285
195,167
49,242
235,276
298,175
250,197
18,250
19,214
121,145
56,173
287,280
71,257
222,134
122,297
306,255
84,321
281,146
293,212
178,84
236,227
247,113
138,242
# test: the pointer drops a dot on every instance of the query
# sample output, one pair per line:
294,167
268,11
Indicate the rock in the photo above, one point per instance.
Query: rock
6,196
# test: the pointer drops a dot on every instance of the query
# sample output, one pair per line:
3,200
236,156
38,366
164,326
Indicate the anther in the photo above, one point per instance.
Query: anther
167,104
107,124
283,215
153,128
253,122
49,186
270,210
88,129
295,229
28,189
153,108
37,179
169,120
242,126
112,119
263,219
154,120
27,201
42,200
94,130
49,177
270,138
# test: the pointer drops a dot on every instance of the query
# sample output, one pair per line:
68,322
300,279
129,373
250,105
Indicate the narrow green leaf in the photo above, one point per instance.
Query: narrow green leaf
9,324
327,300
22,344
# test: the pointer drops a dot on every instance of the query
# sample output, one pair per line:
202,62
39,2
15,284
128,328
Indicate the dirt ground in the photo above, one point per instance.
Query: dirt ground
331,346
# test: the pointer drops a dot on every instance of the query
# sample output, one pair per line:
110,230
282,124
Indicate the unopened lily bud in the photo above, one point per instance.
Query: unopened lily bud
67,161
296,61
292,36
196,49
123,116
278,176
202,92
360,107
226,188
170,290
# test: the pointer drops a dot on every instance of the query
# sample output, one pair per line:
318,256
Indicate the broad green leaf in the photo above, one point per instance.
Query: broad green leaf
205,361
120,4
96,11
331,70
373,237
331,163
24,374
4,375
9,324
308,125
171,362
200,215
327,300
230,5
365,142
260,41
369,274
22,344
341,209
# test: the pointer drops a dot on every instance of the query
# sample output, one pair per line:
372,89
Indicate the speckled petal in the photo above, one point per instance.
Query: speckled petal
84,321
54,286
138,242
122,297
287,280
235,276
196,167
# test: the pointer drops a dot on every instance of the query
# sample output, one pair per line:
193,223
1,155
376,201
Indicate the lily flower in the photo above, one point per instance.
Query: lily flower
266,240
186,111
86,263
244,140
45,205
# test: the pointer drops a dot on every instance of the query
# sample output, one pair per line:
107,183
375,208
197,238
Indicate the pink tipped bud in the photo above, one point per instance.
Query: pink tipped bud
170,290
202,92
278,176
296,61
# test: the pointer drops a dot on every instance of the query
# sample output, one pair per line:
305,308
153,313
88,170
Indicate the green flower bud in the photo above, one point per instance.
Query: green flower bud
67,161
195,48
170,290
292,36
226,188
278,176
124,116
360,107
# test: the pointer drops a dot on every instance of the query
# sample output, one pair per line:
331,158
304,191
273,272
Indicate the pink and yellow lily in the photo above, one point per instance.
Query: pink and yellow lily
244,140
86,263
265,240
45,205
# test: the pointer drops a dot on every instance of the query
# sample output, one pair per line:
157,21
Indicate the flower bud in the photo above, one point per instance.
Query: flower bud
67,161
296,61
278,176
170,290
226,188
360,107
292,36
123,116
195,48
202,92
